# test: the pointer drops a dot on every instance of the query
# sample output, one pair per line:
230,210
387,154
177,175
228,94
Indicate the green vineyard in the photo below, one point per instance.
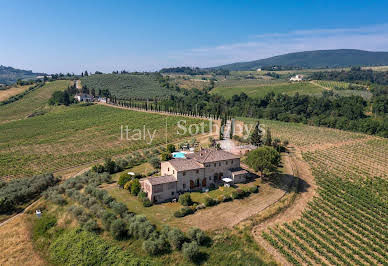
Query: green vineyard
340,85
71,136
346,224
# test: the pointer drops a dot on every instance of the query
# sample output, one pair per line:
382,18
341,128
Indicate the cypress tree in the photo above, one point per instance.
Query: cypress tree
256,135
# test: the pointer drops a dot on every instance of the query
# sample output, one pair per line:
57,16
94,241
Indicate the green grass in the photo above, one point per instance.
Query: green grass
262,90
33,101
70,136
128,85
159,214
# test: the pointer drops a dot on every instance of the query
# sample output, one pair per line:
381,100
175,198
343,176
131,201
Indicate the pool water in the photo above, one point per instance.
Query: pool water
178,155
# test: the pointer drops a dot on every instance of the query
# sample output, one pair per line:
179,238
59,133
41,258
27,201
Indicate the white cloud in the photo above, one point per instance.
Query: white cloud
371,38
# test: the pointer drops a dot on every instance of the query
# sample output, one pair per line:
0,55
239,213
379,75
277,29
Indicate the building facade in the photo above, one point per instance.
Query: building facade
194,172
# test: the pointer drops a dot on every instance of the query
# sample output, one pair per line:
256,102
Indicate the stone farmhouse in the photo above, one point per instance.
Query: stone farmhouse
198,170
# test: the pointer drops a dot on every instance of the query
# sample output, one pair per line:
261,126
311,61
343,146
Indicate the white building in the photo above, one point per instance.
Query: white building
83,97
297,78
194,172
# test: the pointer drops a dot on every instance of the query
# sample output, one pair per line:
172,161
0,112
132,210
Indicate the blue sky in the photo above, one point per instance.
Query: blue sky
72,36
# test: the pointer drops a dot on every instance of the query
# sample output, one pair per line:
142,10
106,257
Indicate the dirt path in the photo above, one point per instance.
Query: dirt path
308,187
229,214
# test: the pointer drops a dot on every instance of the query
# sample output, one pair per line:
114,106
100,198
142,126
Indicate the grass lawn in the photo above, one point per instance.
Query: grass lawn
143,169
262,90
159,214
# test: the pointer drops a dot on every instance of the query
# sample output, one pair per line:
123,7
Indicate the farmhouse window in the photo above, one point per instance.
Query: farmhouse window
173,171
184,173
197,171
158,188
215,165
219,164
172,193
171,186
184,185
168,169
226,162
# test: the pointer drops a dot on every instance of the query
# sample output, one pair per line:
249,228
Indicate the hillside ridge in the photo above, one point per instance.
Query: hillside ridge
315,59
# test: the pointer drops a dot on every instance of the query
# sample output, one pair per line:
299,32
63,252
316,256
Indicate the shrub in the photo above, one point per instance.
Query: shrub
118,207
165,156
123,179
183,212
235,195
98,168
190,250
185,199
109,165
175,238
90,225
146,202
155,162
107,219
118,229
135,187
210,202
227,198
254,189
197,235
171,148
122,163
151,247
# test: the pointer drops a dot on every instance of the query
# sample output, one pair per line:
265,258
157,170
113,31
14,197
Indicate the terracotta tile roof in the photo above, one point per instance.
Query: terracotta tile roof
211,155
185,164
157,180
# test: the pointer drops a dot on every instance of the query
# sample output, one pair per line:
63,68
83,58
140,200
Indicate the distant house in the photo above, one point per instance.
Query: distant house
42,77
258,70
297,78
83,97
103,99
196,171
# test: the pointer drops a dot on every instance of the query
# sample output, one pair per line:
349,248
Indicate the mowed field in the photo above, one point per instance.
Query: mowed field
345,223
31,102
256,91
70,136
5,94
128,85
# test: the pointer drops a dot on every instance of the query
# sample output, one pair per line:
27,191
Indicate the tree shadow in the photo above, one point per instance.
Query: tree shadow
201,258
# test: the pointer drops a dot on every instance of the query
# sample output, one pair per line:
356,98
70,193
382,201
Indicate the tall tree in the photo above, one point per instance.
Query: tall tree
256,135
268,138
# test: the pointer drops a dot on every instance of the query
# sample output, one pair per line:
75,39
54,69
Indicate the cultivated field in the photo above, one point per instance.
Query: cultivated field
32,102
5,94
70,136
262,90
128,85
345,224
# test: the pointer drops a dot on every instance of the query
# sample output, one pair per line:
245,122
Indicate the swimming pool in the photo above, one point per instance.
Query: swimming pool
178,154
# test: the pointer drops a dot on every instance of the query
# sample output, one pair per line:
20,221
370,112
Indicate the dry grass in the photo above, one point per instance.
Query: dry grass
15,244
5,94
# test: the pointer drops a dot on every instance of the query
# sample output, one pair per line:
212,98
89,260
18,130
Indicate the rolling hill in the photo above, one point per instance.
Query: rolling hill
129,85
316,59
9,75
